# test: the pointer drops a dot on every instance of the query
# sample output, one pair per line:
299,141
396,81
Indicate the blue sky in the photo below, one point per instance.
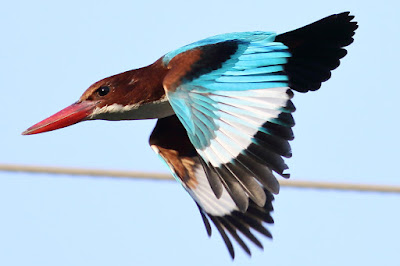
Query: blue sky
347,131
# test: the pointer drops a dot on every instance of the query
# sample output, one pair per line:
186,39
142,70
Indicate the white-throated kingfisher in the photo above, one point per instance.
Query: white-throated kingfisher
224,114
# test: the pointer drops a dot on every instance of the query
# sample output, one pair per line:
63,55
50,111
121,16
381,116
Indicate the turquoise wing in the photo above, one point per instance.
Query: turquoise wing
233,99
248,36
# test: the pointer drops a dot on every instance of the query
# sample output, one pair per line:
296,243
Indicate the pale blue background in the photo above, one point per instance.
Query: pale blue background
51,51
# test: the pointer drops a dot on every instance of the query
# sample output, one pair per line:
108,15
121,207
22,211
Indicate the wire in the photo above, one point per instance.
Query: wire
82,171
160,176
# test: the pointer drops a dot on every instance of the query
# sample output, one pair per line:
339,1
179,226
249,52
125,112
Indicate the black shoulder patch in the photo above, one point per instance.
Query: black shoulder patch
212,58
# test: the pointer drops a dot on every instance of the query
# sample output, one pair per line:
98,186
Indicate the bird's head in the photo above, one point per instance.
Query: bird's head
119,97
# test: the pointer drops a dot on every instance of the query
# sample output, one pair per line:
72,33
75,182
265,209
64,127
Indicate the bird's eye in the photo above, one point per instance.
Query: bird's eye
103,90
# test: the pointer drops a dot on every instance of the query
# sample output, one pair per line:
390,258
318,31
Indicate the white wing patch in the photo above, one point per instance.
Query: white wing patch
241,114
206,198
202,192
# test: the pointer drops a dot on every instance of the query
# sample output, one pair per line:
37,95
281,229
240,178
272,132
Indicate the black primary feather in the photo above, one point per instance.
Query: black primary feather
316,50
255,218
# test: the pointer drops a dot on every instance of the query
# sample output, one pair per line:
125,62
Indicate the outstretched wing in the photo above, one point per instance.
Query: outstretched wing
232,94
233,99
170,141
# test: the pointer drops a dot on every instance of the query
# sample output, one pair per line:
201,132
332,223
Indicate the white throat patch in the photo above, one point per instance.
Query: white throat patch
158,109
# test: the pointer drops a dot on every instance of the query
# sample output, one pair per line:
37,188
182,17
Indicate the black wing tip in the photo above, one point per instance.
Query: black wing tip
348,25
205,221
238,222
344,22
317,49
345,17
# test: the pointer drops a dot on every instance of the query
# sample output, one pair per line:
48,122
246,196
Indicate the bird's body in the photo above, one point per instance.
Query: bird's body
224,108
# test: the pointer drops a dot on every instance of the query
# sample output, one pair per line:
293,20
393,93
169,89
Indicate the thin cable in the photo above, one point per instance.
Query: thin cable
82,171
159,176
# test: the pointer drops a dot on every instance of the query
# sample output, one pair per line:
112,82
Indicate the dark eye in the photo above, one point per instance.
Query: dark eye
103,90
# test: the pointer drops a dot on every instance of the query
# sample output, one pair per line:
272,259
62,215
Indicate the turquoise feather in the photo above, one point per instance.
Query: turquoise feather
255,71
243,36
200,104
208,86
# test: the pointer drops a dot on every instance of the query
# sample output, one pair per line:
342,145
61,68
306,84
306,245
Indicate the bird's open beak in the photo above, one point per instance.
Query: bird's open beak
66,117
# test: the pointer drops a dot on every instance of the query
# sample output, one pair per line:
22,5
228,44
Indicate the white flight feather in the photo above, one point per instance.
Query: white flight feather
206,198
202,192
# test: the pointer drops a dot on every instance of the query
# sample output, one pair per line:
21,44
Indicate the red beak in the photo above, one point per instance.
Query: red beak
68,116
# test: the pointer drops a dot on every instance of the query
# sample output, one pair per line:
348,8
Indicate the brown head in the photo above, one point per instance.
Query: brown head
135,94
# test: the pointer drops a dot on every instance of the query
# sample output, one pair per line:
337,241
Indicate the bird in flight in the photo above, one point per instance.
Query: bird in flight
224,113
